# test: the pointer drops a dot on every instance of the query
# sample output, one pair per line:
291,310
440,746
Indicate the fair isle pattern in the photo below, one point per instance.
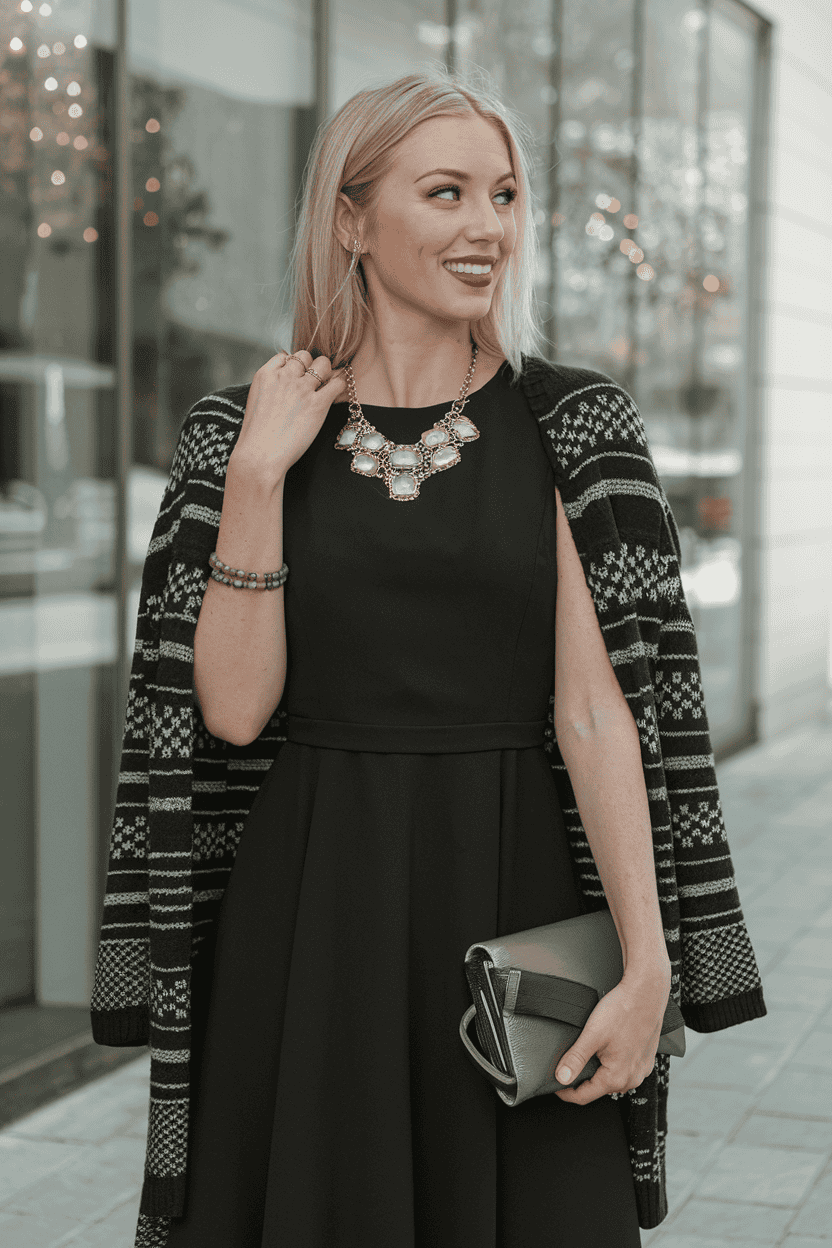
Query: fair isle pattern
183,794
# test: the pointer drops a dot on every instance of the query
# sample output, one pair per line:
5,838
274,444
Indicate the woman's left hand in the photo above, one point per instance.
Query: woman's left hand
623,1032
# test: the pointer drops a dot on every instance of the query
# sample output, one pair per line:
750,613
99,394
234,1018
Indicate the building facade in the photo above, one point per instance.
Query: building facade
152,154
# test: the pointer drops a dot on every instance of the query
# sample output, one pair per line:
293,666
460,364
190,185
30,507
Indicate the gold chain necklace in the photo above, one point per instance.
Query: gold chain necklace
403,466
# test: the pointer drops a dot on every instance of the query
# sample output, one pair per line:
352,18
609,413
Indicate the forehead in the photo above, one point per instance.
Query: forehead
467,143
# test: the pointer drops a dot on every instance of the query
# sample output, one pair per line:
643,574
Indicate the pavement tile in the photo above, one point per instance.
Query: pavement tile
780,1027
801,1241
760,1223
724,1063
815,1051
705,1111
25,1161
34,1230
671,1240
688,1156
783,1131
774,1176
802,1092
815,1217
88,1186
117,1230
787,987
94,1112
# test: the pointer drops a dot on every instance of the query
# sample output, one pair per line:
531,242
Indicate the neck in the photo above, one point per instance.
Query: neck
393,371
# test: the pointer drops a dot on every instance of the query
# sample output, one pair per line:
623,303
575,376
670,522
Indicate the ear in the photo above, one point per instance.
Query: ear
346,223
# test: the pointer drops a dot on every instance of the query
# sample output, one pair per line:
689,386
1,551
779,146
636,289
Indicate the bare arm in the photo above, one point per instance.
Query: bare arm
240,644
599,743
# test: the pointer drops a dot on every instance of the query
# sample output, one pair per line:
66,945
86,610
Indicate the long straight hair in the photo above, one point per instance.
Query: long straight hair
351,153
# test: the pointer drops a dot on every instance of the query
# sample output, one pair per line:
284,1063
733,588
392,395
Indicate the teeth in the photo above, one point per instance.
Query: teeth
468,268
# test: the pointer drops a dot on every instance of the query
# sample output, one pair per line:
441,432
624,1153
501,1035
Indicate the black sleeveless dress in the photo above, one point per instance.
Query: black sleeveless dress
411,812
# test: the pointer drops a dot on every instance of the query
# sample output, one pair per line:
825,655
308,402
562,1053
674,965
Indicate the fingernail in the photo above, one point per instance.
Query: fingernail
564,1074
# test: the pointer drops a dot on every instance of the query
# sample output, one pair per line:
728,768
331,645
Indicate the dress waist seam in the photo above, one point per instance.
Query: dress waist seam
415,738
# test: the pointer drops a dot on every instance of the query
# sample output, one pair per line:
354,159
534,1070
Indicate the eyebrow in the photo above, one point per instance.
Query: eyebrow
464,177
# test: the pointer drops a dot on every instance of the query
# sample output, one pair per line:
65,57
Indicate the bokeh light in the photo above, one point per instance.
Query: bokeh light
44,230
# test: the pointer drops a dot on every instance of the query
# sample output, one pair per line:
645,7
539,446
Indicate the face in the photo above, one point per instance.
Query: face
424,219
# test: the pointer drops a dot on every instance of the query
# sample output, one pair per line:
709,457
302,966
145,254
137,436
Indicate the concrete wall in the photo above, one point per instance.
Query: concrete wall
795,514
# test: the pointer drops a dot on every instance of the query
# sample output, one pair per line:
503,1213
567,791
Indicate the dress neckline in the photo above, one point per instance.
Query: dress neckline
442,407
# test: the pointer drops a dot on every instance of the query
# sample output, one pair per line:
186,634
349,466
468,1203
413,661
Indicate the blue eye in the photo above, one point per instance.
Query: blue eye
508,190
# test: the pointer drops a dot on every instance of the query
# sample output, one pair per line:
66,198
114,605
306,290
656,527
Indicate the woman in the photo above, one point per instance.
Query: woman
411,807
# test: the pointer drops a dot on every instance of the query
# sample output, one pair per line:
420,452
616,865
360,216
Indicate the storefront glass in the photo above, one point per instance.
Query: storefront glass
645,128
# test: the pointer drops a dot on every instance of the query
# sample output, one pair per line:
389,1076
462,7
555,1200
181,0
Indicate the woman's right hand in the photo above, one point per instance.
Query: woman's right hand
285,409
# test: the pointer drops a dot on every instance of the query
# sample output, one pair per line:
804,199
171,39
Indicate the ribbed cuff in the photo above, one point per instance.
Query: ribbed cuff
121,1028
651,1201
716,1015
163,1196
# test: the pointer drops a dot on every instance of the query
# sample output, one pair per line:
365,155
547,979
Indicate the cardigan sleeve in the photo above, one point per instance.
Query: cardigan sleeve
720,980
119,1004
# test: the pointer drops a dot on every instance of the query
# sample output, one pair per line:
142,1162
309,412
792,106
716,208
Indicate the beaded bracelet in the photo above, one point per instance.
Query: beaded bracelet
238,579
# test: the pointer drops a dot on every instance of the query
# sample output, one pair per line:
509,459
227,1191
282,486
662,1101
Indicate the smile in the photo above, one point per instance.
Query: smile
471,275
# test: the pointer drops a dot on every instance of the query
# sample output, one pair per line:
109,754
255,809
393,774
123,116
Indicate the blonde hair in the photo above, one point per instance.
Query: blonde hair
351,153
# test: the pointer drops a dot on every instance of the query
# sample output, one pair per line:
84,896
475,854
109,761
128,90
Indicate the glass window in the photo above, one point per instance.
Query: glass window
644,116
57,491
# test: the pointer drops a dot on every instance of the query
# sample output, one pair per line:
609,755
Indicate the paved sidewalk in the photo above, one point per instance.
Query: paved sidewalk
750,1143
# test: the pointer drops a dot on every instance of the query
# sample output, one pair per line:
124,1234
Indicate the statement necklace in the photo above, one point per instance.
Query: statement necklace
404,466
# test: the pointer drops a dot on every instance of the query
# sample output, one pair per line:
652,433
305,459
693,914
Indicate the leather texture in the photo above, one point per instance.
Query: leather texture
532,994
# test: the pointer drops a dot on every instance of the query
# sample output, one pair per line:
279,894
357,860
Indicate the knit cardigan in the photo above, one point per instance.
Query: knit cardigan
183,794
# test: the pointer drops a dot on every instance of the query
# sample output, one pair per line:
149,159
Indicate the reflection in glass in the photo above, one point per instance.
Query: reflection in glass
57,492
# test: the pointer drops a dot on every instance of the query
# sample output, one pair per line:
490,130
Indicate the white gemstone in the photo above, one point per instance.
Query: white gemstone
368,464
347,437
372,441
464,429
404,457
433,437
403,483
445,456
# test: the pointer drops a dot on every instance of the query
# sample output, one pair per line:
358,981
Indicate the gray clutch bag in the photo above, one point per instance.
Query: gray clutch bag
533,992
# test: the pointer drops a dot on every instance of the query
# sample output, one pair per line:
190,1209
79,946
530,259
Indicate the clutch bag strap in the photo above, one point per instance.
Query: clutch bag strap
551,996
